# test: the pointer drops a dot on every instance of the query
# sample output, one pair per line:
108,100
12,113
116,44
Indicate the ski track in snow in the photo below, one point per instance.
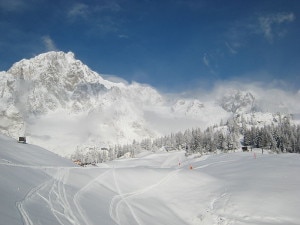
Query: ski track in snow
213,215
53,192
81,192
56,199
116,216
20,205
5,162
8,163
214,163
60,206
122,197
223,198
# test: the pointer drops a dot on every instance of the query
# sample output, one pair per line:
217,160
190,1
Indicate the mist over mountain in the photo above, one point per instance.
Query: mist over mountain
60,104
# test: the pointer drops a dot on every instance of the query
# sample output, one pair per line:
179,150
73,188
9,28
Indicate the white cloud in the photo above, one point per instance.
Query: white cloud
267,23
270,26
230,48
100,18
270,96
114,78
109,5
206,60
78,10
49,43
123,36
84,11
209,60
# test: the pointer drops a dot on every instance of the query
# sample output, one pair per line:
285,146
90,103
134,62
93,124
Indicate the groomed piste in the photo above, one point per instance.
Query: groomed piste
39,187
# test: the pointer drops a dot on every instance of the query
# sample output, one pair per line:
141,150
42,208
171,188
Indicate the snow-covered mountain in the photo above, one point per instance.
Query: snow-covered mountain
58,101
62,105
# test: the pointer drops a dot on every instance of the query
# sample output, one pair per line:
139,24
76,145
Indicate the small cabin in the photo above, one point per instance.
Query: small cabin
22,140
245,148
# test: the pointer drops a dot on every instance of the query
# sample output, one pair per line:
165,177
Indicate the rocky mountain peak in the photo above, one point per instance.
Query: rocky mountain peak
54,66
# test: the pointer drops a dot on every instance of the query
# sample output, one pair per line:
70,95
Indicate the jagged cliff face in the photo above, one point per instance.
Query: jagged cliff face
55,80
11,121
56,87
61,104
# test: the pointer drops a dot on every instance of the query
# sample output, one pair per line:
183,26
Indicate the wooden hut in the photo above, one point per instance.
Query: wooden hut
22,140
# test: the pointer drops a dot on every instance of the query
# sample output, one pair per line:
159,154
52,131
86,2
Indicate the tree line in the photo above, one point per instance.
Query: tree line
280,136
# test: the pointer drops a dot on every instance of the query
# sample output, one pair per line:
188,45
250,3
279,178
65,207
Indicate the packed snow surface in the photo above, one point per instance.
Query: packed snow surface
39,187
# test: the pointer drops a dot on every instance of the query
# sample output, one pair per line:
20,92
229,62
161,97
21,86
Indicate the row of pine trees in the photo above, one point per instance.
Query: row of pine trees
282,136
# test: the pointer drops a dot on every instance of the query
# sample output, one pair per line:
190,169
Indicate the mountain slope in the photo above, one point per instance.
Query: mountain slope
54,95
23,168
38,187
62,105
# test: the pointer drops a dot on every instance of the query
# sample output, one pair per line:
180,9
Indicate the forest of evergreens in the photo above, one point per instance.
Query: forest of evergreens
282,136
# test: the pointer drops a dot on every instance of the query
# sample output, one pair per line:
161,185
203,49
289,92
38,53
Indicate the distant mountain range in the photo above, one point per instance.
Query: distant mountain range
57,102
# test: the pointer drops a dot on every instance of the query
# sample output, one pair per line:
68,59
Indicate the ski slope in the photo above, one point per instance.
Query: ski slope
39,187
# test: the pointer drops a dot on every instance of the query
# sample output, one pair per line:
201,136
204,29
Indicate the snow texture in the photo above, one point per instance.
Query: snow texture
39,187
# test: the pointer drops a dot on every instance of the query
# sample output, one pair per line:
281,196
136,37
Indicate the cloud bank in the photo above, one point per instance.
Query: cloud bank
272,97
268,22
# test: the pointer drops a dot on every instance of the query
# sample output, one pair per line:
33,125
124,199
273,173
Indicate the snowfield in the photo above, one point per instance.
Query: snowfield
39,187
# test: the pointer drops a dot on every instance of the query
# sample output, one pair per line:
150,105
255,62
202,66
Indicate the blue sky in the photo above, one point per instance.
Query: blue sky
173,45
